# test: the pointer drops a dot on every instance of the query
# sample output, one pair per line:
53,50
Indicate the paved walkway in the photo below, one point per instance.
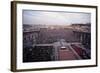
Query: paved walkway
63,54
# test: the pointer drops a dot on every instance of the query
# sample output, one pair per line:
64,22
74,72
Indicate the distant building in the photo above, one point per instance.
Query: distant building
30,38
81,25
84,38
83,34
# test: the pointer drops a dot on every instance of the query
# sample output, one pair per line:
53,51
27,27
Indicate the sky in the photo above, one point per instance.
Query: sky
32,17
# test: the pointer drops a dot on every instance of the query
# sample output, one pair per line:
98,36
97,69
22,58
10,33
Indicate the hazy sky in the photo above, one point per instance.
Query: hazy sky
58,18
